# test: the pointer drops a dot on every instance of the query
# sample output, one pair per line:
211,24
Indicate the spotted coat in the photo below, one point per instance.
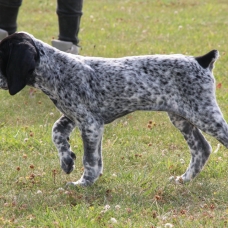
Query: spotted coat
92,91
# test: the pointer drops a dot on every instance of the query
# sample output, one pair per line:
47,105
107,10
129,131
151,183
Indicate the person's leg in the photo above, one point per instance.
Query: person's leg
8,17
69,14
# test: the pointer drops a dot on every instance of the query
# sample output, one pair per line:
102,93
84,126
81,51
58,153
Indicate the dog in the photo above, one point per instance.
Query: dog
93,91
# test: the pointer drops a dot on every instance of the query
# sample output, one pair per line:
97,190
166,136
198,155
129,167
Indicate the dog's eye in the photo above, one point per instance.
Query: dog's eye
30,71
2,65
1,55
1,62
42,52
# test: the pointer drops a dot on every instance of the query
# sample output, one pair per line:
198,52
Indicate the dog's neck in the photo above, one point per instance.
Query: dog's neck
52,72
49,78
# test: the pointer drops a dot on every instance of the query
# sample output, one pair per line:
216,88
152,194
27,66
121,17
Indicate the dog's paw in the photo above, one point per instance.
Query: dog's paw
67,163
177,180
72,154
81,182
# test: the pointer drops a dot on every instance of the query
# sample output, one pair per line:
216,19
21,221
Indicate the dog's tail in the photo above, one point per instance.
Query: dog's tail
208,60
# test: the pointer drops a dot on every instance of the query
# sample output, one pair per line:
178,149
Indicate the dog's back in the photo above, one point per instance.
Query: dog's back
153,82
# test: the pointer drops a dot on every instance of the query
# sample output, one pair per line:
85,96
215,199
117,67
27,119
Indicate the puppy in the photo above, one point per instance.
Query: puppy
91,92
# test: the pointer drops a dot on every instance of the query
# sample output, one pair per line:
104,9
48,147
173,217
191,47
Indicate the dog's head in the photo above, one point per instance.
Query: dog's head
18,59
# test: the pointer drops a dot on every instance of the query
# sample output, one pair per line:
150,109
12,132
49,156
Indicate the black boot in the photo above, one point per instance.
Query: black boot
69,15
8,15
69,28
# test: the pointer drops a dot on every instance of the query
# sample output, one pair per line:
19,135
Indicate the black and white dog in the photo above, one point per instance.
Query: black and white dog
92,92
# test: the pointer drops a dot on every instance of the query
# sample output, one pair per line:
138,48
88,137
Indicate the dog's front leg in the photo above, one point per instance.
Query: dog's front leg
92,132
60,136
199,147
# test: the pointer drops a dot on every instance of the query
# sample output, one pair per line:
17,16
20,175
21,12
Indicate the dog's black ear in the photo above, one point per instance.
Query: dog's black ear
18,59
208,60
20,65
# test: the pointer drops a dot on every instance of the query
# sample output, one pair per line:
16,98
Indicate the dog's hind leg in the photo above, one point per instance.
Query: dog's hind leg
60,135
210,120
92,132
199,147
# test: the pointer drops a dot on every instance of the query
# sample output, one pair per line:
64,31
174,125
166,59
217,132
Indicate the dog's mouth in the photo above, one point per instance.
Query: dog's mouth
4,85
5,88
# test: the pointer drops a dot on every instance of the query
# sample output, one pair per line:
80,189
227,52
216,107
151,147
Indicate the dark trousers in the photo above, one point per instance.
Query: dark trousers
69,14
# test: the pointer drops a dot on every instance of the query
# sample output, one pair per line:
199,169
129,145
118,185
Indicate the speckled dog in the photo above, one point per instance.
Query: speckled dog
91,92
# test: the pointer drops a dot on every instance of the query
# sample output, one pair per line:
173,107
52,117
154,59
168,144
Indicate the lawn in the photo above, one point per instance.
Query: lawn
134,190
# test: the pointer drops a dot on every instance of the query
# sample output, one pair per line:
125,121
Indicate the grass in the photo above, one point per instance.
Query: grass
135,190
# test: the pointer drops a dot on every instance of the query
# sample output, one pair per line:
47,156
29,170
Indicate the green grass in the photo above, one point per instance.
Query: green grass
138,161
